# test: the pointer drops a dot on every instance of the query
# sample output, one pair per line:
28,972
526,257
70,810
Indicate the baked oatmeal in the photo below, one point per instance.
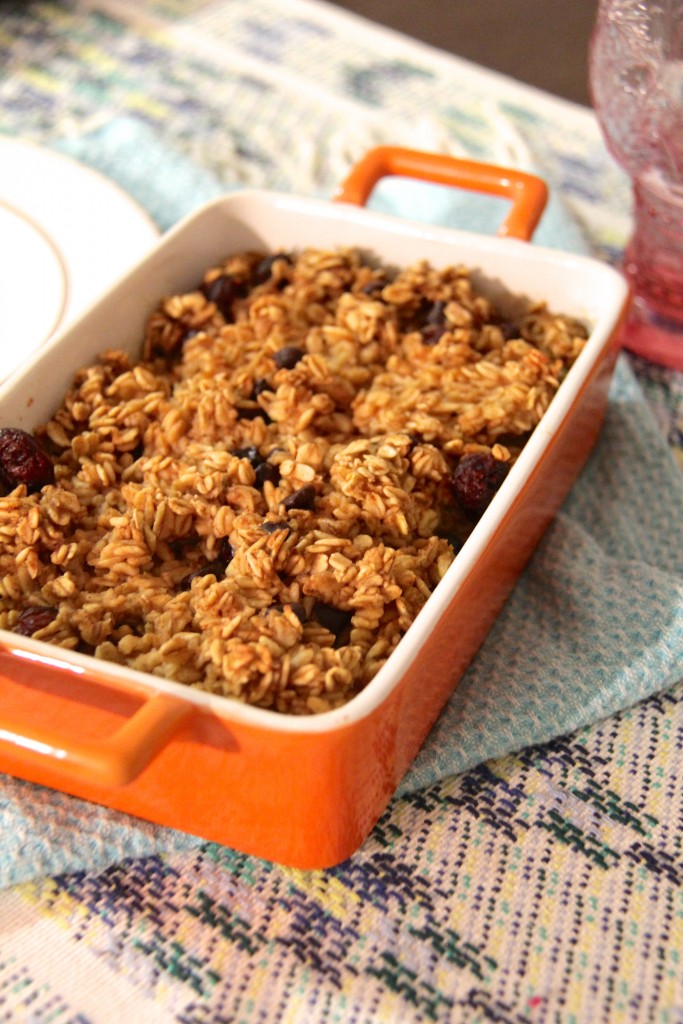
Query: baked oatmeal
261,505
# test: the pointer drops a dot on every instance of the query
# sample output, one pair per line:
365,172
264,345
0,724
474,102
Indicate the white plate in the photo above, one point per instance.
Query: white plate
66,235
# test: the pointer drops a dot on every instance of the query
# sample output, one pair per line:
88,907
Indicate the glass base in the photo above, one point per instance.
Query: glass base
653,337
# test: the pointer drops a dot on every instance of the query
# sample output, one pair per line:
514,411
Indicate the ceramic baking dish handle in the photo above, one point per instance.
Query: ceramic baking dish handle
527,193
114,760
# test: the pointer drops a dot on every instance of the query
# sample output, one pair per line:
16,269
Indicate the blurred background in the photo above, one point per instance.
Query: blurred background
541,42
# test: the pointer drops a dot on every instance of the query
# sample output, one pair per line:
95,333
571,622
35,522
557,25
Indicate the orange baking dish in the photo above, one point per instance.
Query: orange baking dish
304,791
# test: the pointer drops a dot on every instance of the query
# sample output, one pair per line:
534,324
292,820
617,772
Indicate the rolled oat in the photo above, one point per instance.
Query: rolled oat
264,502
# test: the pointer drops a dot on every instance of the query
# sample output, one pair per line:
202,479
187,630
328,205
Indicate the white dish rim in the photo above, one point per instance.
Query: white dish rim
381,686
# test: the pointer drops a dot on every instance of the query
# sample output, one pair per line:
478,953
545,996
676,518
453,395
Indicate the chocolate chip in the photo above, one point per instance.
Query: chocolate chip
215,568
226,552
508,328
304,498
334,619
187,335
251,454
375,286
436,314
267,472
263,470
299,611
297,608
432,333
271,526
263,270
260,386
252,412
452,538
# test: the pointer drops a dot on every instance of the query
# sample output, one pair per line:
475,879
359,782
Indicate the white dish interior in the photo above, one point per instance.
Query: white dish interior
576,285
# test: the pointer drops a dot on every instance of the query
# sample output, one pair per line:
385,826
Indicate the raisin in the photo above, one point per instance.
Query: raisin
33,619
23,461
303,498
434,323
475,480
223,291
286,358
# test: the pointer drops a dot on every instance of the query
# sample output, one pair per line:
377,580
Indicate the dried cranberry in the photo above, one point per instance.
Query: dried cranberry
23,461
286,358
223,291
33,619
476,479
303,498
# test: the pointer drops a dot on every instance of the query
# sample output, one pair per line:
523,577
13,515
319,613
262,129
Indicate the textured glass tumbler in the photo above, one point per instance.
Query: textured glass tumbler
636,78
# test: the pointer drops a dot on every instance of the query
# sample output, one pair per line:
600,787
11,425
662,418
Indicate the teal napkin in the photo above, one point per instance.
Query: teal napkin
594,624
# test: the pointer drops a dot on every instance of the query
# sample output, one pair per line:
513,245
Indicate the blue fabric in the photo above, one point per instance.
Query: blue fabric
164,182
439,204
594,624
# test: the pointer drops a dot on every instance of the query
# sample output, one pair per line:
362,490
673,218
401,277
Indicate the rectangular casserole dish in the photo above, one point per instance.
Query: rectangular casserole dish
303,791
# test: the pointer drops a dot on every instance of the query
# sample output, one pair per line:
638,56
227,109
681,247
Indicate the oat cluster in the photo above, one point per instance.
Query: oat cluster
261,505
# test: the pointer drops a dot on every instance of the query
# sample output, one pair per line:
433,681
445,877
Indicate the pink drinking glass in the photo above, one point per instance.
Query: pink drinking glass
636,78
